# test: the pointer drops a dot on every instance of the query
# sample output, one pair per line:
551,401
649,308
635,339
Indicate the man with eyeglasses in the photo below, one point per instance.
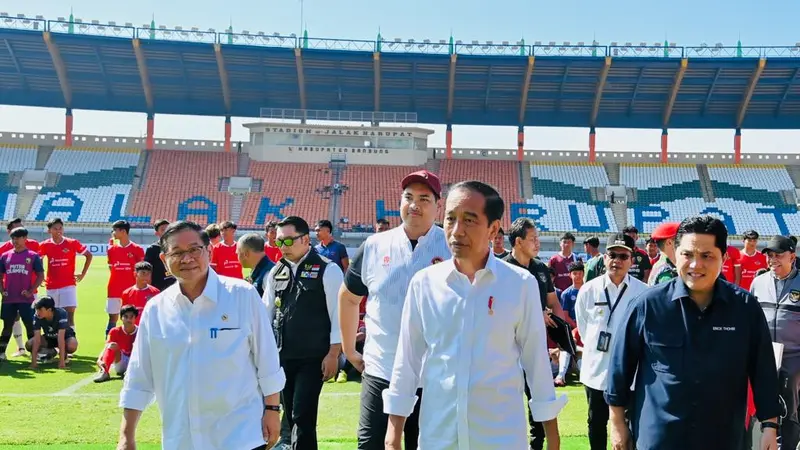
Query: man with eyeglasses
301,294
205,351
598,309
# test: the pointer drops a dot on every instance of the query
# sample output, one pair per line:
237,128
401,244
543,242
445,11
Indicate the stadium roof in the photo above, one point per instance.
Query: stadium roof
69,64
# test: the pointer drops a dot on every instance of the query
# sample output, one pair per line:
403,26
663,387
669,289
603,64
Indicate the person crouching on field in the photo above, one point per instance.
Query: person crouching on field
118,345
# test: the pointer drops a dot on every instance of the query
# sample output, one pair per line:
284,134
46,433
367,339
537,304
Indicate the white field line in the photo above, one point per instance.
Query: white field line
75,387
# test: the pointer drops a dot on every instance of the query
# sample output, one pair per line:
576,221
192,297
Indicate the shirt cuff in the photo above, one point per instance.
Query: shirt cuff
542,411
336,337
398,405
136,400
613,399
273,383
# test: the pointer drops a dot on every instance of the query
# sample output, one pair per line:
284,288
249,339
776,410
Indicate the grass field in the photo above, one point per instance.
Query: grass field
74,413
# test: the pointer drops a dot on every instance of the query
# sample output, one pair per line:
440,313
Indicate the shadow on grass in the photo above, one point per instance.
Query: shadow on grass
20,368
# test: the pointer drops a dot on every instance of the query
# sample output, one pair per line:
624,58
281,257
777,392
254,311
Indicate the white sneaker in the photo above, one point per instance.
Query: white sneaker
20,353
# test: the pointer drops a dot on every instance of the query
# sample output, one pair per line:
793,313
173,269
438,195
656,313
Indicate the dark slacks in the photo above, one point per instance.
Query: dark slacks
373,422
300,400
598,419
789,435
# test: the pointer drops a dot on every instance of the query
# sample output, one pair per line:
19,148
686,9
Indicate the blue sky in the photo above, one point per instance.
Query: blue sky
682,21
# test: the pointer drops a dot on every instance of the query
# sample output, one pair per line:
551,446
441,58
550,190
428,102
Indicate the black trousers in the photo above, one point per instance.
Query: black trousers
373,422
598,419
300,400
789,435
537,429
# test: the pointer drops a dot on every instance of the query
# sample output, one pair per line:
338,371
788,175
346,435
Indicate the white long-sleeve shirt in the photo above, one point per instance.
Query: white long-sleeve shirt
593,315
332,280
473,379
209,364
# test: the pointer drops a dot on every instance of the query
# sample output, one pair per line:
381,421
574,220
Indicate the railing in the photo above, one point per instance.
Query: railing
427,46
351,116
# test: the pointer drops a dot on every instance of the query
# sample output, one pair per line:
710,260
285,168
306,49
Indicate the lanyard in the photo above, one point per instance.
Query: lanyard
616,302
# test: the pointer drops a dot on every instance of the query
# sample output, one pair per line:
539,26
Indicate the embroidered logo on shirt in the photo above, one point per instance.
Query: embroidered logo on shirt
386,260
723,328
794,295
436,260
224,317
491,303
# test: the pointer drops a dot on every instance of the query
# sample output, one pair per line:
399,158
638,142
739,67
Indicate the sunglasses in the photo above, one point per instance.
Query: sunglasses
619,256
287,241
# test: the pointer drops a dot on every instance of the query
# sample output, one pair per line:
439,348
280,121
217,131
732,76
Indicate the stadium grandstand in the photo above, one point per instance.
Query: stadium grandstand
381,94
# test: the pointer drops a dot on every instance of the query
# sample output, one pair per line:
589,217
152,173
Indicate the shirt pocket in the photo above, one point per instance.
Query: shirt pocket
667,351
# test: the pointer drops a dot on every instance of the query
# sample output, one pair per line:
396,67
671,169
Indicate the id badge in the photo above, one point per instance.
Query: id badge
603,342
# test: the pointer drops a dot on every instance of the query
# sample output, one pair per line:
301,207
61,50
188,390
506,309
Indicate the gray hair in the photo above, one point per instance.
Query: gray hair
251,241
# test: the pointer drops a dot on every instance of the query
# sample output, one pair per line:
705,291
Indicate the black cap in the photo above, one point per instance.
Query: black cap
620,240
751,234
779,244
19,232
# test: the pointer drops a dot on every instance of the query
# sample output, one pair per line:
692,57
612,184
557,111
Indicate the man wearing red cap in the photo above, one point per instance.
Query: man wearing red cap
664,269
382,269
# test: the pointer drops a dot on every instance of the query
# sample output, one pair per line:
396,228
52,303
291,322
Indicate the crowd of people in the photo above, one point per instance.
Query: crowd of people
685,343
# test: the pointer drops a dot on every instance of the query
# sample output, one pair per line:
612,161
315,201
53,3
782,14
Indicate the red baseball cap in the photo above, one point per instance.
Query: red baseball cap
427,178
666,230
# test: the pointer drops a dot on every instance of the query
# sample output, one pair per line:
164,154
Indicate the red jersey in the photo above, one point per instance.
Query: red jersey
121,263
751,265
732,259
225,261
653,261
123,340
31,245
61,261
138,298
273,253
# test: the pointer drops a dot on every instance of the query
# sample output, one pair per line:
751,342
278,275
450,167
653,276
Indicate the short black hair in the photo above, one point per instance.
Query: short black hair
382,221
751,234
55,221
325,223
227,225
128,309
630,229
706,224
45,302
160,223
14,223
271,224
213,231
593,241
299,224
121,225
19,232
567,237
143,265
577,266
494,206
177,227
519,229
501,232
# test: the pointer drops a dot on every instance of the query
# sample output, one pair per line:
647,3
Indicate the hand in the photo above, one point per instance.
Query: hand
330,365
26,293
769,439
62,364
79,277
112,346
357,360
34,365
548,321
126,444
621,436
271,427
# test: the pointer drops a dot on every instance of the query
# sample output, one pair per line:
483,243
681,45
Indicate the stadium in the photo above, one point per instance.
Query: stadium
336,124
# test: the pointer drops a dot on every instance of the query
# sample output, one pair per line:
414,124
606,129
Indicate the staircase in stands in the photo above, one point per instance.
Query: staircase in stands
705,183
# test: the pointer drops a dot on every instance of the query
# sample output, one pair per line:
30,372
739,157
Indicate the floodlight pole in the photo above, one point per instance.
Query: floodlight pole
301,17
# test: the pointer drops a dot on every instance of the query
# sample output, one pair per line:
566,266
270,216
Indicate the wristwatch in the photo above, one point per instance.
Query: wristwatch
276,408
769,425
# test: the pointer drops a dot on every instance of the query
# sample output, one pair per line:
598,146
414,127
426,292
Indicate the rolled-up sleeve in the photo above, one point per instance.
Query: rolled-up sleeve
761,368
332,281
271,377
624,354
399,399
531,338
138,390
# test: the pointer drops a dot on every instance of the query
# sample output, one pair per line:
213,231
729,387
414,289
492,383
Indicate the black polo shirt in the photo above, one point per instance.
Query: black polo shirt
542,274
693,367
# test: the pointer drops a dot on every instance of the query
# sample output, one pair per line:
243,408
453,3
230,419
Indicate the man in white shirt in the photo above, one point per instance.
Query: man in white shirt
598,308
205,351
477,323
301,294
381,269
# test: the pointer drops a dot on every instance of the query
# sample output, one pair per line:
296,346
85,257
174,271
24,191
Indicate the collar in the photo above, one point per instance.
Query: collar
401,231
681,291
135,330
607,281
261,266
209,291
295,265
791,275
489,269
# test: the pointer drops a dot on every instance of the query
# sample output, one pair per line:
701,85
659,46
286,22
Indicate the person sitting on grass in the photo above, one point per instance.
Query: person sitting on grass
118,345
52,334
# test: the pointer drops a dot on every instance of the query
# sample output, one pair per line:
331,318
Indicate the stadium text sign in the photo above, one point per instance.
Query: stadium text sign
339,132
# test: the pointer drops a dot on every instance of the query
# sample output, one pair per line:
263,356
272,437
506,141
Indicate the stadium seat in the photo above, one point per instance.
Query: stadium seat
747,183
17,157
373,193
185,185
287,189
93,187
503,175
